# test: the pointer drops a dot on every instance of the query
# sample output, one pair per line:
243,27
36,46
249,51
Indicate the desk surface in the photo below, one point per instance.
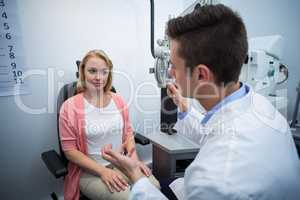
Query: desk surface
175,143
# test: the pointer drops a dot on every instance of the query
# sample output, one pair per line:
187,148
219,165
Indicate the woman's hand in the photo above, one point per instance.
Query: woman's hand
174,93
130,167
113,180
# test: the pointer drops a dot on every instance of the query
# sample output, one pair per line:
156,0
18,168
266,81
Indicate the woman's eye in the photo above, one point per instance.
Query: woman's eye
92,71
104,72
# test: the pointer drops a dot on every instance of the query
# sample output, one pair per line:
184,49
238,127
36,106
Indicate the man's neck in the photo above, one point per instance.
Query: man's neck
222,92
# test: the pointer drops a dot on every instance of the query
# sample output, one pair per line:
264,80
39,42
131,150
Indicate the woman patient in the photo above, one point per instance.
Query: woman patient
90,120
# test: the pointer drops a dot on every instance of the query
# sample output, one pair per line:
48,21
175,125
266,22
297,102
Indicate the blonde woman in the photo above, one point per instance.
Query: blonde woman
90,120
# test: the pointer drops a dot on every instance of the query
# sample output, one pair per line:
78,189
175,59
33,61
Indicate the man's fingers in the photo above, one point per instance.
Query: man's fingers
172,88
172,91
106,147
108,157
168,92
112,154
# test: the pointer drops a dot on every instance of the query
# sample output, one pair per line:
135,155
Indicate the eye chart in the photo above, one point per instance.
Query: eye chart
12,65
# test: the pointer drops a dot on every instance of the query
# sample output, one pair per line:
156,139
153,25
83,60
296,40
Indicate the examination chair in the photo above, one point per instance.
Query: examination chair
57,162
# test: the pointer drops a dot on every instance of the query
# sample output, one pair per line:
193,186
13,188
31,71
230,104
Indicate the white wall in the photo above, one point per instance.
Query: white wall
56,33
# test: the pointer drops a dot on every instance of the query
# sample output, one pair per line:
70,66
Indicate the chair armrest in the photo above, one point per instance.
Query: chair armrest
54,163
140,139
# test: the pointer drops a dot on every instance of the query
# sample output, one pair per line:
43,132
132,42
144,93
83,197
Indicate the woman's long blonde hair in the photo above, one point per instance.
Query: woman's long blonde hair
98,54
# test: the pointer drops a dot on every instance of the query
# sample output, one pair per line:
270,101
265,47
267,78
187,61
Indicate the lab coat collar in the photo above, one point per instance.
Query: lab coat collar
252,102
241,92
232,109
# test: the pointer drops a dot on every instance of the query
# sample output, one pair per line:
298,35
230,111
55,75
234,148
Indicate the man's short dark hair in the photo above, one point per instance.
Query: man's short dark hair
212,35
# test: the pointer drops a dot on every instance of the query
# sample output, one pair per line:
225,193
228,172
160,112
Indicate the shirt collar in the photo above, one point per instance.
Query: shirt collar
241,92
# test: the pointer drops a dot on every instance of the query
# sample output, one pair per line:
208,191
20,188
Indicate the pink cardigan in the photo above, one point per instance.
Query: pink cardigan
72,136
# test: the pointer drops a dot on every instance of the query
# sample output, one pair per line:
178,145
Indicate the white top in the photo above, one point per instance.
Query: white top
247,153
103,126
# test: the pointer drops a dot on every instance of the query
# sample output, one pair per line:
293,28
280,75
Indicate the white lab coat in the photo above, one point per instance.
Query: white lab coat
247,152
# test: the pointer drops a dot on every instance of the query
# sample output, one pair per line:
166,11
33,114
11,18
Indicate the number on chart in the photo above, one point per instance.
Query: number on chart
12,55
8,36
20,81
6,27
10,48
13,65
4,15
17,73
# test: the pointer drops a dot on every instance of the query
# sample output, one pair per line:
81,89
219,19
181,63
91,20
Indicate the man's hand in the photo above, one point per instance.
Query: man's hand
174,93
124,163
132,154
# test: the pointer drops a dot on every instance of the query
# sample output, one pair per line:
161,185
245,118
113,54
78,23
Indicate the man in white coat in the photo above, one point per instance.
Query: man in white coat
246,147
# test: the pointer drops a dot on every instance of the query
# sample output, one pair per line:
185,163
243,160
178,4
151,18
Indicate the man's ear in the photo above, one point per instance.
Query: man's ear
203,73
